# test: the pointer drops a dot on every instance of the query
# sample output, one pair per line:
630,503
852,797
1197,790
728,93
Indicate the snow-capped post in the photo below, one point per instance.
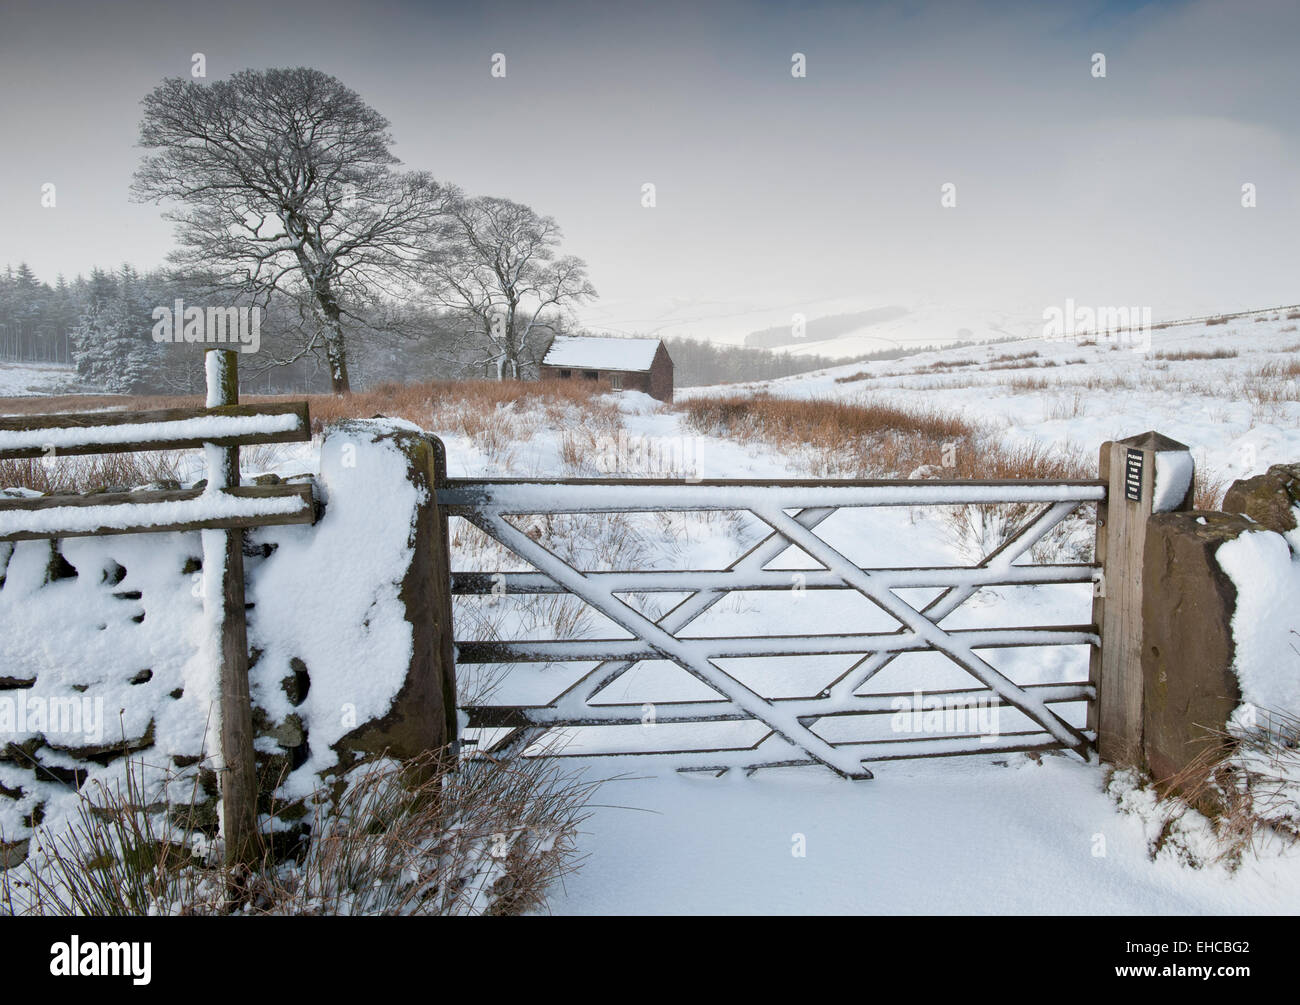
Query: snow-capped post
1145,474
366,462
223,564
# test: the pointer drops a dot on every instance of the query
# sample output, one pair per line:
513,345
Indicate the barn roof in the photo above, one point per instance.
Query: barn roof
594,353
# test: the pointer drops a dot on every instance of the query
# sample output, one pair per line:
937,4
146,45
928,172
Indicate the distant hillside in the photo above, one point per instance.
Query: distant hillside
823,328
697,363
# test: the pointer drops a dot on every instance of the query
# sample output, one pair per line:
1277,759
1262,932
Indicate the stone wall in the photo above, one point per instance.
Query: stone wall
348,660
1190,686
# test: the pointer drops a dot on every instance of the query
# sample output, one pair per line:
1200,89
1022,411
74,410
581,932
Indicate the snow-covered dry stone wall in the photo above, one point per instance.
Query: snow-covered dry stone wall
105,653
1265,569
1221,624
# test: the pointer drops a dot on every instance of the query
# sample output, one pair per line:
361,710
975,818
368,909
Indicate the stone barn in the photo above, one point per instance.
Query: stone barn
620,364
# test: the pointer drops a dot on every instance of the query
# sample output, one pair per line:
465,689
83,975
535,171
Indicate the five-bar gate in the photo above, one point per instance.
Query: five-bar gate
792,511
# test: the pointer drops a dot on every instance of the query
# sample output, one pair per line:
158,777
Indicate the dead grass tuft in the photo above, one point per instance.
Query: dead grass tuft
1246,782
1189,354
430,836
90,473
862,440
1020,384
873,440
1208,488
496,416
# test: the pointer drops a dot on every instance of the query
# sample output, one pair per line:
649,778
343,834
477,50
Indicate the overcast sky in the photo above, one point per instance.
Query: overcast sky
774,193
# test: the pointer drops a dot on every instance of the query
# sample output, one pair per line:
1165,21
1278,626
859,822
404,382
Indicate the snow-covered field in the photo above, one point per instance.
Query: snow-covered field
19,380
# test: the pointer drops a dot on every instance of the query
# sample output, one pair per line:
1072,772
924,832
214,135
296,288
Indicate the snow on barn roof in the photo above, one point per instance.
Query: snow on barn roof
593,353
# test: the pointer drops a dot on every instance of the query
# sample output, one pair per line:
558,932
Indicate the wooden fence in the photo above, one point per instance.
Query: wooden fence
222,510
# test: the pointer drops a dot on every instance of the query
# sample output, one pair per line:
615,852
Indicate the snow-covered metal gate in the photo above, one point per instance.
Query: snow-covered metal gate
792,511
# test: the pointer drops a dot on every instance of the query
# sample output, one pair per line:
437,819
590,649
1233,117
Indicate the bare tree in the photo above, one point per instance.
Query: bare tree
285,182
496,265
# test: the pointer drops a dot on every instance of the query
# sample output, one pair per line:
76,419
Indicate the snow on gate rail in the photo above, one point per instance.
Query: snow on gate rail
792,510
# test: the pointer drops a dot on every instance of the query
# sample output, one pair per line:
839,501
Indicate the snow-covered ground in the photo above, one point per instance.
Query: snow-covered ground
18,380
1001,835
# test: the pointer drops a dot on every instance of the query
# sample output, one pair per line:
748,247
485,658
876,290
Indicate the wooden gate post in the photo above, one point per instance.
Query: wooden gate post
442,600
224,550
1145,474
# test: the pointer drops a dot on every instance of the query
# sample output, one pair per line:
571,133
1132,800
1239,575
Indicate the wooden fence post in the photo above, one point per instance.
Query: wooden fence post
1144,474
224,549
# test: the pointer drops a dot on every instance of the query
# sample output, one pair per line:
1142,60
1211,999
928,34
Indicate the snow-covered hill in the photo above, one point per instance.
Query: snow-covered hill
882,323
1229,391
